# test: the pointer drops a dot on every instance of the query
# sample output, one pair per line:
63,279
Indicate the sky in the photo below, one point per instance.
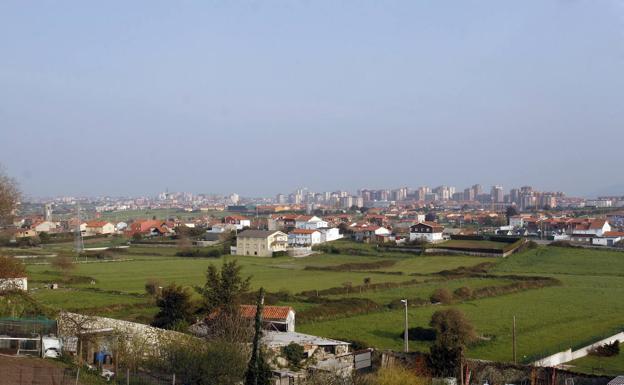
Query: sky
260,97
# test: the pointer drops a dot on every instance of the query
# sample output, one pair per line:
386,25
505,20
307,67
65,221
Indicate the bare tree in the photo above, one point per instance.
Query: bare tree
9,198
11,268
78,326
64,264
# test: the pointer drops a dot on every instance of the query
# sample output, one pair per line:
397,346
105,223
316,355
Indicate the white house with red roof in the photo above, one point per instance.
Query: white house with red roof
595,227
609,238
99,228
44,226
276,318
238,221
304,237
309,222
366,232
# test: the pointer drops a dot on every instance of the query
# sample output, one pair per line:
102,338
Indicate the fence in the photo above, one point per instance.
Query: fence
570,355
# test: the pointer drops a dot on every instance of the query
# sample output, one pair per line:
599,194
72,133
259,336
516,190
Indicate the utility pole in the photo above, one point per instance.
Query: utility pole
514,340
405,333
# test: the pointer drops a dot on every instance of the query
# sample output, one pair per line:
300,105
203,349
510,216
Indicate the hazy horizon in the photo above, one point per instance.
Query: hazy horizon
118,98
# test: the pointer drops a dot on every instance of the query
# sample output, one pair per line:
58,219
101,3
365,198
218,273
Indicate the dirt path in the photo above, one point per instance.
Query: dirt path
32,371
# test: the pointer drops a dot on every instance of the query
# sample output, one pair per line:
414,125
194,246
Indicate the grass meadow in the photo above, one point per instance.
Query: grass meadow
585,306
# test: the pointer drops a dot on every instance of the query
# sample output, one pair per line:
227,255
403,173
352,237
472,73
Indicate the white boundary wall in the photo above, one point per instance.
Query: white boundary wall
569,355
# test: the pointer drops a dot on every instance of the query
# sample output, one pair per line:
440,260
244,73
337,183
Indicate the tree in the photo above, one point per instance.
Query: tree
176,309
64,264
9,198
199,362
223,289
453,333
183,242
294,354
152,286
510,212
431,217
11,268
442,295
463,292
258,371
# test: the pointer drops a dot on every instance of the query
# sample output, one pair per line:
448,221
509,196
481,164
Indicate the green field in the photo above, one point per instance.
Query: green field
607,366
586,306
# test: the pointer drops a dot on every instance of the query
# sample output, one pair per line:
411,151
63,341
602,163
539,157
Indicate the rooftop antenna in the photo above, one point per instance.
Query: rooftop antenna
78,243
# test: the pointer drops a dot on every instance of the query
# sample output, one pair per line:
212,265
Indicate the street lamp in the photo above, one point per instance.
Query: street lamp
405,334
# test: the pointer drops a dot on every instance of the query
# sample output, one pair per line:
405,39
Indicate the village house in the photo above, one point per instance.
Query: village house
329,234
44,226
223,227
239,222
367,233
149,228
274,318
426,231
261,243
283,222
609,238
309,222
304,237
99,228
596,227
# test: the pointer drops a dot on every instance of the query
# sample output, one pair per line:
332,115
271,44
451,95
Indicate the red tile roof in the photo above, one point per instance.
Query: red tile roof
597,224
273,313
614,234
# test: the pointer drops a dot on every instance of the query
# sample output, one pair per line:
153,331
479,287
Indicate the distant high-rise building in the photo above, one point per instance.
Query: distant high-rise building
514,196
280,199
234,198
346,202
498,194
469,194
443,192
477,190
47,214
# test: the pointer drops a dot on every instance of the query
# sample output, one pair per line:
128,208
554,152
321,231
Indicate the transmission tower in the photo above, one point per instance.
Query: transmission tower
78,243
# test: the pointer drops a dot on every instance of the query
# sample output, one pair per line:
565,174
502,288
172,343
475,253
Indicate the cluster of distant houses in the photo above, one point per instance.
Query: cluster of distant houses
590,231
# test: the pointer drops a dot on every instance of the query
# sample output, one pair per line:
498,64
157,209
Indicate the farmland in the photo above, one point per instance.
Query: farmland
584,304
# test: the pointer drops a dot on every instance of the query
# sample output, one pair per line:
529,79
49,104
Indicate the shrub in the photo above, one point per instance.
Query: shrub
197,253
355,266
606,350
11,268
294,354
563,244
330,309
277,254
152,286
395,375
442,295
463,293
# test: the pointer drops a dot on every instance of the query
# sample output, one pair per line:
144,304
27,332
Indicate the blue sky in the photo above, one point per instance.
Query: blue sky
258,97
